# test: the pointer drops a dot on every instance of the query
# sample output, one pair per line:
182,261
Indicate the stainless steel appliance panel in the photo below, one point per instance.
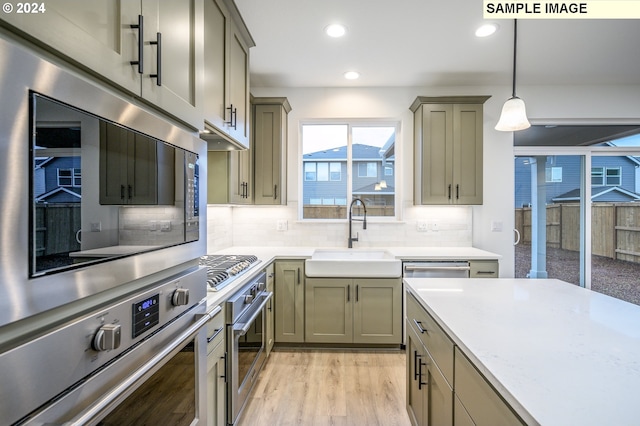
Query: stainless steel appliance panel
436,269
65,363
70,293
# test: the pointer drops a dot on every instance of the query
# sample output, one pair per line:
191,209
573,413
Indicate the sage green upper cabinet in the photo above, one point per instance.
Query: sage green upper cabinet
226,81
448,149
163,68
173,57
269,133
240,177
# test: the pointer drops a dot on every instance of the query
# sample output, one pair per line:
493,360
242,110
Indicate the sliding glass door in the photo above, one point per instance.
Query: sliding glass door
550,217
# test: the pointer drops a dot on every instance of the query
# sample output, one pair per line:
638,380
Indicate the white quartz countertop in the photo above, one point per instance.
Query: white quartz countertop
558,353
269,254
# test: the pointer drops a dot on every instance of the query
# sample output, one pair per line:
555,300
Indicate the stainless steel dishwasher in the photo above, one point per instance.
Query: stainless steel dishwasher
436,269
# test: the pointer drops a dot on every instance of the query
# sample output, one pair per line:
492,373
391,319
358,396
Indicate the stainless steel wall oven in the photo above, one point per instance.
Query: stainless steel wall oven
72,347
246,343
141,360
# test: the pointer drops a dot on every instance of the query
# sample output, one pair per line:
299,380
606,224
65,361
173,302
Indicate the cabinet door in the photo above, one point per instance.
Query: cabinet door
269,130
238,87
439,395
329,310
216,386
93,34
270,330
173,63
484,405
216,28
289,296
434,149
240,187
114,143
142,171
416,390
226,82
377,311
467,154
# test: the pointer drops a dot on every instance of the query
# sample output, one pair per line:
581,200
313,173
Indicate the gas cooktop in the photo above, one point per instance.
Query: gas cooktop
223,269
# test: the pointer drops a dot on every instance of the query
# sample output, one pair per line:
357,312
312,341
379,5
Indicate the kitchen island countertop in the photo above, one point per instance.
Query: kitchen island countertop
557,353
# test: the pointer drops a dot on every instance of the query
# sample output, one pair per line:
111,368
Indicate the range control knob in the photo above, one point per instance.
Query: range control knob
180,297
248,298
107,338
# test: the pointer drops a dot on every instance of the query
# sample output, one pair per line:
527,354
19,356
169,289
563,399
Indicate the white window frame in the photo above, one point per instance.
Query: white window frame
350,123
75,177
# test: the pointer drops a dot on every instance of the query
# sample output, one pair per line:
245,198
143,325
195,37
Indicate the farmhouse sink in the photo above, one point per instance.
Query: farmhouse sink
366,263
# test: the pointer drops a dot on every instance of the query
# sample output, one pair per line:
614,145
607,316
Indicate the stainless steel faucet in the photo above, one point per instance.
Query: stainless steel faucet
364,221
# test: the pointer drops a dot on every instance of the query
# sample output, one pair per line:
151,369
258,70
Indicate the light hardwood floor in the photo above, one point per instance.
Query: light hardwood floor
329,387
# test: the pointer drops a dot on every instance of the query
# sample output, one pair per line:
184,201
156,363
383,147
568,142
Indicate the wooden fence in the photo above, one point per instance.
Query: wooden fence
615,228
341,212
55,228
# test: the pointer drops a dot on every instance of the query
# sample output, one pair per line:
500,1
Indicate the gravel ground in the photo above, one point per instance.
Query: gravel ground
608,276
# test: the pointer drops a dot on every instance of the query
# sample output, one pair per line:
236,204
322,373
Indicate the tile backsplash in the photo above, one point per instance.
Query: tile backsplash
426,226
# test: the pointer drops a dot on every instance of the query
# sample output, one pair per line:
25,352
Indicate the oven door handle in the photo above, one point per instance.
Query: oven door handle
104,402
243,328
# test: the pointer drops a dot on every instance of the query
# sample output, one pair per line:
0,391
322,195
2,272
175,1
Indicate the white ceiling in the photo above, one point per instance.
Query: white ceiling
430,43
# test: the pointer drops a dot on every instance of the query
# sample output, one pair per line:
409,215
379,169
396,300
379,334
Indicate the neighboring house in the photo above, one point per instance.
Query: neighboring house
325,176
57,180
613,179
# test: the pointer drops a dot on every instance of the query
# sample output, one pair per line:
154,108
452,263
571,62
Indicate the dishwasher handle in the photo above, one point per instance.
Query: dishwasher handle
436,268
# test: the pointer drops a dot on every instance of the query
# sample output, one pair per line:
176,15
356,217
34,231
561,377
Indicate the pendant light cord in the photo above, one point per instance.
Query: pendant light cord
515,49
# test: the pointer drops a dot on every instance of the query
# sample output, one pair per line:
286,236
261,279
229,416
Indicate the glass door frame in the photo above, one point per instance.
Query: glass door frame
586,152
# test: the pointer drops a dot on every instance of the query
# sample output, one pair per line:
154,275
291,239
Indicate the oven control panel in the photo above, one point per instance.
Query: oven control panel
146,314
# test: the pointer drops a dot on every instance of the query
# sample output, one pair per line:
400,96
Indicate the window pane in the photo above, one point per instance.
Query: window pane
322,144
323,172
615,221
373,153
335,171
548,219
597,176
310,171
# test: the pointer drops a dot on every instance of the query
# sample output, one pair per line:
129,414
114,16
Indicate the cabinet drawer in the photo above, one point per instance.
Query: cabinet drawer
484,269
215,330
481,401
438,344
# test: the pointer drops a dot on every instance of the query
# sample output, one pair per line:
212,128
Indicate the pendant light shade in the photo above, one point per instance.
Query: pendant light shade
514,113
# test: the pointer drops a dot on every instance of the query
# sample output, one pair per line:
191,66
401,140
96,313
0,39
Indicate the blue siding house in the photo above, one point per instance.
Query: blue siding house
57,180
613,179
325,176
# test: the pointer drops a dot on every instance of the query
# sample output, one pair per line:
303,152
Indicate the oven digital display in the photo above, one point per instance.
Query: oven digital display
146,314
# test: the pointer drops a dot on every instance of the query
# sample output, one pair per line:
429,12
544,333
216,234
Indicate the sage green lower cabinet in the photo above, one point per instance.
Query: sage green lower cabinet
443,386
484,269
481,402
270,321
289,305
347,310
429,396
216,371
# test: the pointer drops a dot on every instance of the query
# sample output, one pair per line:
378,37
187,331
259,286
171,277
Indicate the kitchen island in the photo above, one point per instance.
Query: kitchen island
557,354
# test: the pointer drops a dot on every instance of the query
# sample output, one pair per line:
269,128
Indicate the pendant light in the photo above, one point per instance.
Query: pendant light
514,114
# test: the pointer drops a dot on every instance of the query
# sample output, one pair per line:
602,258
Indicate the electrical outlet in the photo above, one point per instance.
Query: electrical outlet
421,226
153,225
281,225
165,225
496,226
434,226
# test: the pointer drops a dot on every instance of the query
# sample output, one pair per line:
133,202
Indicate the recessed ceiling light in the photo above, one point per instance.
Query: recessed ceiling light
351,75
486,30
335,30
